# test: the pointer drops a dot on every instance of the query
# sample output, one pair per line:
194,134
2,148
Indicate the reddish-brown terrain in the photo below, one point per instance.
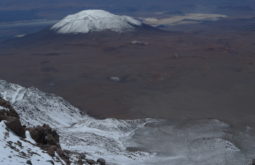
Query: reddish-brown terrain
202,74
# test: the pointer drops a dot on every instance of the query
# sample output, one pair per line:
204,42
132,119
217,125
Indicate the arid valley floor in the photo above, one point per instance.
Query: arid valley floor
207,72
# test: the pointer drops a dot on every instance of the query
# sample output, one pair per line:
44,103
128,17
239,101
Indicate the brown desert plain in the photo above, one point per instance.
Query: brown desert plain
154,74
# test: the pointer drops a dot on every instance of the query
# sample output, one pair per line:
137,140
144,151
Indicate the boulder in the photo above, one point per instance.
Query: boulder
44,135
90,161
10,110
101,161
29,162
15,126
12,118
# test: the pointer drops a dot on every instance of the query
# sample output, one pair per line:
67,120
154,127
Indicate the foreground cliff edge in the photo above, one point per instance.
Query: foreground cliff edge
42,128
36,145
77,135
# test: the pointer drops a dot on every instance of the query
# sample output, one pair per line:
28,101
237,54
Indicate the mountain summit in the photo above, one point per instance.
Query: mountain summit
95,20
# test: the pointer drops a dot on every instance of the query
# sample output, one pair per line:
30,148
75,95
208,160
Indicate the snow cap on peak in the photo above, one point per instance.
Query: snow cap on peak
95,20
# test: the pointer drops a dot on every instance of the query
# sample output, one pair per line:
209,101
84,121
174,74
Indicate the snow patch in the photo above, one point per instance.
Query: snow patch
29,138
15,150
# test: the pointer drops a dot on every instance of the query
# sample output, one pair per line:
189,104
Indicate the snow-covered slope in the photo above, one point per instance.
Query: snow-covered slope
80,133
17,151
95,20
131,142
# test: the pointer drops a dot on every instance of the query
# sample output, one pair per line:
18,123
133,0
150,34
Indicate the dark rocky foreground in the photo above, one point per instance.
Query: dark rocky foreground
45,137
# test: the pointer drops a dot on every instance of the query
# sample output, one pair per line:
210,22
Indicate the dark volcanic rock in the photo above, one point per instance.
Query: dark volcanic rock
44,135
15,125
90,161
12,118
6,104
29,162
9,112
101,161
48,140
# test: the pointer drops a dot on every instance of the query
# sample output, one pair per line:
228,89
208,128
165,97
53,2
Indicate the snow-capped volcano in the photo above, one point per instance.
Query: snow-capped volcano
95,20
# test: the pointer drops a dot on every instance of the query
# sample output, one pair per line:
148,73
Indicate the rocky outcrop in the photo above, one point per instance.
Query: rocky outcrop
6,110
8,114
48,140
14,125
45,137
101,161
